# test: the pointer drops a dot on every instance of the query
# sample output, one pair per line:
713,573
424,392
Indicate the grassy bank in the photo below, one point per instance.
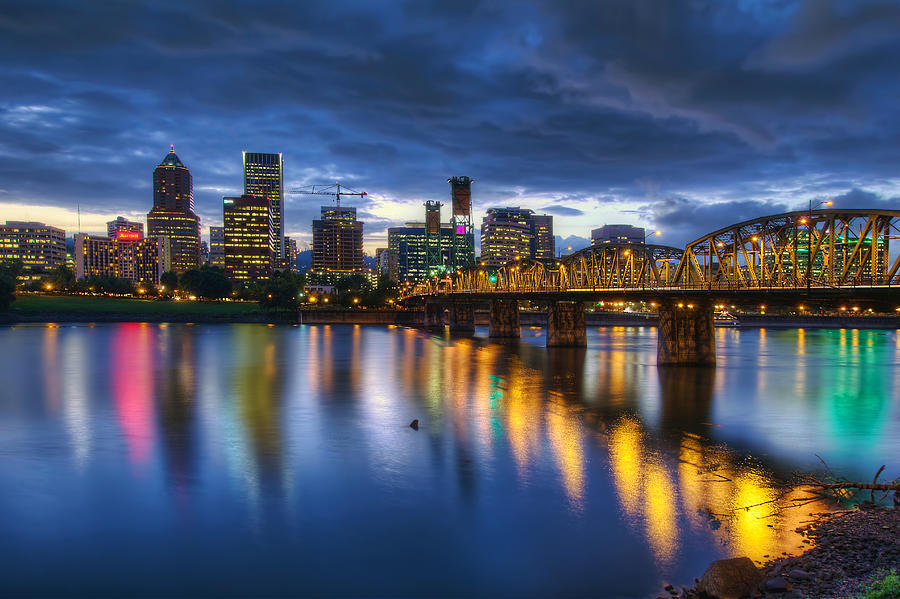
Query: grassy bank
30,305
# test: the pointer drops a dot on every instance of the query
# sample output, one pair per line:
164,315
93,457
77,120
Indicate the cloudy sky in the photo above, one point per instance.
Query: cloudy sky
681,116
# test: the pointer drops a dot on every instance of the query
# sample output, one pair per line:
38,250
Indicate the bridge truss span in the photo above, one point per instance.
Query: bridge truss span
820,248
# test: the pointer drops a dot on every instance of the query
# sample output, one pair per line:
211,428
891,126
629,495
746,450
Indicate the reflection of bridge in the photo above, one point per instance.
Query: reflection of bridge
822,256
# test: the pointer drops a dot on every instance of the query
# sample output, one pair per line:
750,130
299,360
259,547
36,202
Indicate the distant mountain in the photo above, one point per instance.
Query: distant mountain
573,241
304,259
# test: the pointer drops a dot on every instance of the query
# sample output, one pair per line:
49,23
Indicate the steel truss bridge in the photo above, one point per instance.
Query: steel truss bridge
831,253
817,256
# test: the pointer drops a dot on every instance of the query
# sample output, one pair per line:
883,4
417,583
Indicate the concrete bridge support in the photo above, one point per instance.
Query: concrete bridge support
504,319
434,316
686,335
565,325
462,318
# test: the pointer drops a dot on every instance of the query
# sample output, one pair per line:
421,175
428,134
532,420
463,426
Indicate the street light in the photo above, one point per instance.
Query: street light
809,228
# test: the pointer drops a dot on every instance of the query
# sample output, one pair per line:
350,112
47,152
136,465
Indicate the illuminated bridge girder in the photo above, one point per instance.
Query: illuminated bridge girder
823,249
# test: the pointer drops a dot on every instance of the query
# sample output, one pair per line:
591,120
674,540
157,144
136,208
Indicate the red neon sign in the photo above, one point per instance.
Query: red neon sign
128,235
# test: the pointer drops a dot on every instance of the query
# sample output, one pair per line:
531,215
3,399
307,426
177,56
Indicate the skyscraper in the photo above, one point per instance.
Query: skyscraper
173,215
337,240
544,241
249,242
217,247
510,233
264,176
506,234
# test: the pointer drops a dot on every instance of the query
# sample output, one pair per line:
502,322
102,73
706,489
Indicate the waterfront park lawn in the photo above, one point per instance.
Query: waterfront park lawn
94,304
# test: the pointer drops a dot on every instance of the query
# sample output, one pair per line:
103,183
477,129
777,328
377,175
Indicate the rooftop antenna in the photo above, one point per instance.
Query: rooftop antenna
79,217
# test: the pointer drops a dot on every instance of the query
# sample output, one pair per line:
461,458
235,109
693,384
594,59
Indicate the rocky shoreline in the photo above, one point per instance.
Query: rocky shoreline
847,550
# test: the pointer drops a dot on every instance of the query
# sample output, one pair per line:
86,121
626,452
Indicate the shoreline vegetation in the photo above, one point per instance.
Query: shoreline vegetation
37,308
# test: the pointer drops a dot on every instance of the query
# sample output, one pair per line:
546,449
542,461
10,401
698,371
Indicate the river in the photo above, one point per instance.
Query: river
245,459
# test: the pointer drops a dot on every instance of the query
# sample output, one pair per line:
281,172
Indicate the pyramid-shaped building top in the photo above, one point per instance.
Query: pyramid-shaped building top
172,159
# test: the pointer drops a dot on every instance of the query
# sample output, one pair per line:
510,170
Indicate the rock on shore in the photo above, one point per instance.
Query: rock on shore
847,549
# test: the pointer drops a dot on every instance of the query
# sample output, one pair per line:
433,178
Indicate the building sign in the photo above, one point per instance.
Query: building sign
128,236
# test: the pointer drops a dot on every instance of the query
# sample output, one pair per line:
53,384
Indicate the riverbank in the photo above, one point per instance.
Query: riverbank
847,551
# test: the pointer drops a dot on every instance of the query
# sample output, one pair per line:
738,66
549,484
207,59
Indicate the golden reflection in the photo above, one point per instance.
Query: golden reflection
564,434
660,510
742,507
626,459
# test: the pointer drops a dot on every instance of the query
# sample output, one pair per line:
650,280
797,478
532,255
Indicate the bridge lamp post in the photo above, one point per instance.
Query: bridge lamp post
809,226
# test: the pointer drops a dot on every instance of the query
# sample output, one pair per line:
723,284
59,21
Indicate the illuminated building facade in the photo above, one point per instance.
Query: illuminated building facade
264,177
122,224
506,234
127,255
290,253
409,246
217,247
249,238
40,247
617,234
544,243
173,215
337,240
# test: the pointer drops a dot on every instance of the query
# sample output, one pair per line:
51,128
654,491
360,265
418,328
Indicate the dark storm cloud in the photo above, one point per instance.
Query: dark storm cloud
703,112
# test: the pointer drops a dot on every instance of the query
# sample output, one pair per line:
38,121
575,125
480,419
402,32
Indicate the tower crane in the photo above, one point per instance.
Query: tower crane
330,190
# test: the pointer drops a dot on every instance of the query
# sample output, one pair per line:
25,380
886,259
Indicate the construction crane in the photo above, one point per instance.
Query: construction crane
331,190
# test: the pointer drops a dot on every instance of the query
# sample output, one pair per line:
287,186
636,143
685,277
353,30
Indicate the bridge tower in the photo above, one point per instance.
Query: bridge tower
462,248
434,257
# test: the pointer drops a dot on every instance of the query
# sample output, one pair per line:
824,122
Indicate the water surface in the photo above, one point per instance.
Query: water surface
145,459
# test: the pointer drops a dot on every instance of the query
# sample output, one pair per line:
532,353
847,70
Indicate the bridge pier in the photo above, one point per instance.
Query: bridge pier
434,315
504,319
686,334
565,325
462,318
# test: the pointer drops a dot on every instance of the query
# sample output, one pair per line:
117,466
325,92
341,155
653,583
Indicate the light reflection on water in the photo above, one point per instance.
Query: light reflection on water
277,460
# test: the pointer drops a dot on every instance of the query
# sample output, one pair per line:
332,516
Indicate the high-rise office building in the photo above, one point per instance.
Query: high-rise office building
123,256
510,233
264,176
617,234
337,240
506,234
114,227
249,238
411,248
173,215
290,253
217,247
39,247
543,241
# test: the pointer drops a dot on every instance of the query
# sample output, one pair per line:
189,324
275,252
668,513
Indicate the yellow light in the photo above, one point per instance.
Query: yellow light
355,300
762,306
755,238
325,300
856,308
845,307
801,307
681,305
802,221
690,305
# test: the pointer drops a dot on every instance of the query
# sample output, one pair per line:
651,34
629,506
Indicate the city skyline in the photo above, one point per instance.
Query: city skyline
733,113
